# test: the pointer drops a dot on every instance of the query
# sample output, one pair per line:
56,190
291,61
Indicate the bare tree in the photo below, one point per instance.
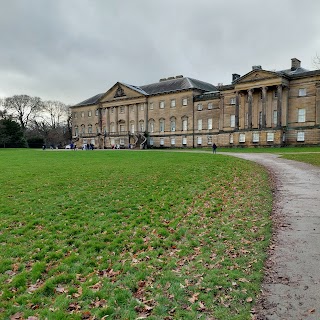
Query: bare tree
57,112
23,108
316,61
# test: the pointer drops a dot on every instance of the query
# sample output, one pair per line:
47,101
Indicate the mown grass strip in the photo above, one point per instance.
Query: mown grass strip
312,158
123,234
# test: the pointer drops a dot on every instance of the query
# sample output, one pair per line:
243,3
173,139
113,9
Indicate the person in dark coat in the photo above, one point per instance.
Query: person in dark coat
214,148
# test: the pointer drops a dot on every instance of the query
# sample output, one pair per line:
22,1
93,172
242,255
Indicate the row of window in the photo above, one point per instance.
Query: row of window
269,138
173,104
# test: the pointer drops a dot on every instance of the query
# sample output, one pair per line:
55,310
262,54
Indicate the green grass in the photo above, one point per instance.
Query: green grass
127,234
312,158
272,150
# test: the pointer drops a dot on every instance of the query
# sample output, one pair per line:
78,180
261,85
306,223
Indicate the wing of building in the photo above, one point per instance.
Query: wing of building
260,108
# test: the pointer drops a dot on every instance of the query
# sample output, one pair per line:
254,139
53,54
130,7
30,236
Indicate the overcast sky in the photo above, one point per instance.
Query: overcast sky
70,50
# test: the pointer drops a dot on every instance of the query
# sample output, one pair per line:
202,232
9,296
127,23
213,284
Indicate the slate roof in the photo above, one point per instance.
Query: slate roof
90,101
166,86
177,84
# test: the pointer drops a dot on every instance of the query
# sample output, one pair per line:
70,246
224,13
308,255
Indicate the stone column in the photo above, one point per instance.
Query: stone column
279,105
250,108
264,107
237,111
145,109
116,119
108,120
137,119
127,110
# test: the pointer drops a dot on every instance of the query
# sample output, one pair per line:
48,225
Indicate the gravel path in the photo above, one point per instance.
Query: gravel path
291,289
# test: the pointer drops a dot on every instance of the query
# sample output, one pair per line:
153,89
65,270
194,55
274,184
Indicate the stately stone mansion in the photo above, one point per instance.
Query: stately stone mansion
260,108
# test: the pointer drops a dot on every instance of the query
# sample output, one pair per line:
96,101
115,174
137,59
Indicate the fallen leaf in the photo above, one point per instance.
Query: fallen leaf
194,298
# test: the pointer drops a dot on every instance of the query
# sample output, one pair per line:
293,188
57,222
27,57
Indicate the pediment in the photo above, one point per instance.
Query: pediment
121,91
257,75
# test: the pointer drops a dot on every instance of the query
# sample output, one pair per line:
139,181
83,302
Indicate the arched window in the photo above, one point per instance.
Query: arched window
132,126
151,125
161,125
141,125
122,124
173,124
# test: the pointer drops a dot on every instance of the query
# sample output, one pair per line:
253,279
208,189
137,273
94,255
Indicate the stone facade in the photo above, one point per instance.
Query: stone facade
260,108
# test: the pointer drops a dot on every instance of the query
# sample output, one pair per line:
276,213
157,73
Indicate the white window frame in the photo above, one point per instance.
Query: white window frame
173,141
209,140
173,125
242,137
302,92
270,136
300,136
161,104
161,141
301,115
151,141
184,141
89,113
232,121
151,125
161,125
255,136
199,107
141,125
97,112
231,138
210,106
233,100
184,101
90,128
275,117
209,123
173,103
151,106
185,125
199,140
199,124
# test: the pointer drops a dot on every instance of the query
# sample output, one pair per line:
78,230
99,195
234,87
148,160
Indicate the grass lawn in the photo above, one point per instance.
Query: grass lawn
312,158
131,234
282,150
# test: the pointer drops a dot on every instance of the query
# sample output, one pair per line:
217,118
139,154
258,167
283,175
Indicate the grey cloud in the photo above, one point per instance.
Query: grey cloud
70,50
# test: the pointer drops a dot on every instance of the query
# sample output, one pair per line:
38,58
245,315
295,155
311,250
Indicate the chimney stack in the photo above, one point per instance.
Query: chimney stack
295,64
256,68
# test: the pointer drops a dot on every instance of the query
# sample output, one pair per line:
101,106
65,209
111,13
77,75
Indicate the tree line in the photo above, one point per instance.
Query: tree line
30,122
